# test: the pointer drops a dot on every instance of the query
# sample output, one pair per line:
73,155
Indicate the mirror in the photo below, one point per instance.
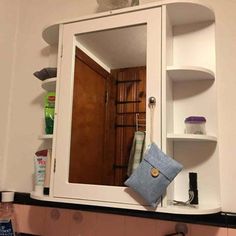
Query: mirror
109,105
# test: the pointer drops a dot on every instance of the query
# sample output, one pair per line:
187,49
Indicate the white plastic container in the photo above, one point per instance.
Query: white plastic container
195,125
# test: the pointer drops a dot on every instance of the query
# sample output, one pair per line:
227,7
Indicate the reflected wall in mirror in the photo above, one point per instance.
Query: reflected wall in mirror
109,105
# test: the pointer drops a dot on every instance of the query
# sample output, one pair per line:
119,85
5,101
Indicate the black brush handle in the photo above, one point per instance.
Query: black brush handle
193,187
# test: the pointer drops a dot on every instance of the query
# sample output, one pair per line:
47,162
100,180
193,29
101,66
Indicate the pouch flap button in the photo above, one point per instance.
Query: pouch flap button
154,172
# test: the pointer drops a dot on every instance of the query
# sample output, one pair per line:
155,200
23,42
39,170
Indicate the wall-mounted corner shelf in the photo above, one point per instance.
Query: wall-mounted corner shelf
192,137
197,12
51,34
49,84
193,12
46,136
184,73
197,210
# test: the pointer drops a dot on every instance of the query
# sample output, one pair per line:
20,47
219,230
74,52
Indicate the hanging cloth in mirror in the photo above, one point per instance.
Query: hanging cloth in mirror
136,152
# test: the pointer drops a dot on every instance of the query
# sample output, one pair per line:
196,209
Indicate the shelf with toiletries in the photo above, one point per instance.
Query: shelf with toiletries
192,137
195,130
185,73
168,62
42,158
48,83
189,94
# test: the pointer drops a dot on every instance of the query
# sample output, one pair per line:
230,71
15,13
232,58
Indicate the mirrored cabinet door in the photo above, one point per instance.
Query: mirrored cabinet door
112,101
110,66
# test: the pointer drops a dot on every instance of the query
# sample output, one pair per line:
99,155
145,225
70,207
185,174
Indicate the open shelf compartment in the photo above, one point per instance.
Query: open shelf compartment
189,73
192,137
189,89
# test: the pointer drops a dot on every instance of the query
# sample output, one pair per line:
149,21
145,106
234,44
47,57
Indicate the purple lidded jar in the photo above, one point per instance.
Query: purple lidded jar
195,125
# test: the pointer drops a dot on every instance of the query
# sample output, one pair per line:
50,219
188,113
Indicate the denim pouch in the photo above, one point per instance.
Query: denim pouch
153,175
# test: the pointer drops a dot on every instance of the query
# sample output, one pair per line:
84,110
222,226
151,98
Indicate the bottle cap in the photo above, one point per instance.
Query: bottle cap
8,196
195,119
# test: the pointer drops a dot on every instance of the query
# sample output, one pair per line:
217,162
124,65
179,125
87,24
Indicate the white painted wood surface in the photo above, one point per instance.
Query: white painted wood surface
181,73
181,13
108,194
183,25
192,137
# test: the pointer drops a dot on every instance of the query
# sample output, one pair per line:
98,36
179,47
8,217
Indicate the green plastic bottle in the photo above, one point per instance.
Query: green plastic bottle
49,107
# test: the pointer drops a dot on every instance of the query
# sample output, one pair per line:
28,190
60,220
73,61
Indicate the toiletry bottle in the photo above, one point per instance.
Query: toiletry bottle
7,216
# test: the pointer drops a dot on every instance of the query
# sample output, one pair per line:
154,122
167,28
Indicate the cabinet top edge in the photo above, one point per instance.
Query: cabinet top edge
50,32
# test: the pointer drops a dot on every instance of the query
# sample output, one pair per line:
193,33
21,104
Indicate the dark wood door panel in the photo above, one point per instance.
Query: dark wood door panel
104,121
130,103
88,161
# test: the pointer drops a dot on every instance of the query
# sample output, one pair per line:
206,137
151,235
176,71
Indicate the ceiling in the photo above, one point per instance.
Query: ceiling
119,47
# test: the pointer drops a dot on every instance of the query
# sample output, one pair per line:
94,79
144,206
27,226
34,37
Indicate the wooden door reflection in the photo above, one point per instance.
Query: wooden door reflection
89,121
104,120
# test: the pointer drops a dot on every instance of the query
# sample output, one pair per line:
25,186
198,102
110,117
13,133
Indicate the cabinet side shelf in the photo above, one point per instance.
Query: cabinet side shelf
185,73
46,136
192,137
49,84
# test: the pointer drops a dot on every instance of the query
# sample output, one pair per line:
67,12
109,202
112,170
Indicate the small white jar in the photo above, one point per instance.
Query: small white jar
195,125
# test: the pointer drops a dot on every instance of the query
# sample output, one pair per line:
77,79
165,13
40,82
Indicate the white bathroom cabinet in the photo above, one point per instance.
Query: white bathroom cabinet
180,73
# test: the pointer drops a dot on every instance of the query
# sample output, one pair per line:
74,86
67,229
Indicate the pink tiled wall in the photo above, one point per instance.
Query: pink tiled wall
60,222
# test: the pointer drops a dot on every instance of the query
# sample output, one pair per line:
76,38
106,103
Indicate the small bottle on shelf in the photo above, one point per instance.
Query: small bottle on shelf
7,215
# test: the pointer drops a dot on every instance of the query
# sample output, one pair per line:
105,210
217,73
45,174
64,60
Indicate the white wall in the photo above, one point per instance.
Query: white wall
26,111
8,22
225,69
26,100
